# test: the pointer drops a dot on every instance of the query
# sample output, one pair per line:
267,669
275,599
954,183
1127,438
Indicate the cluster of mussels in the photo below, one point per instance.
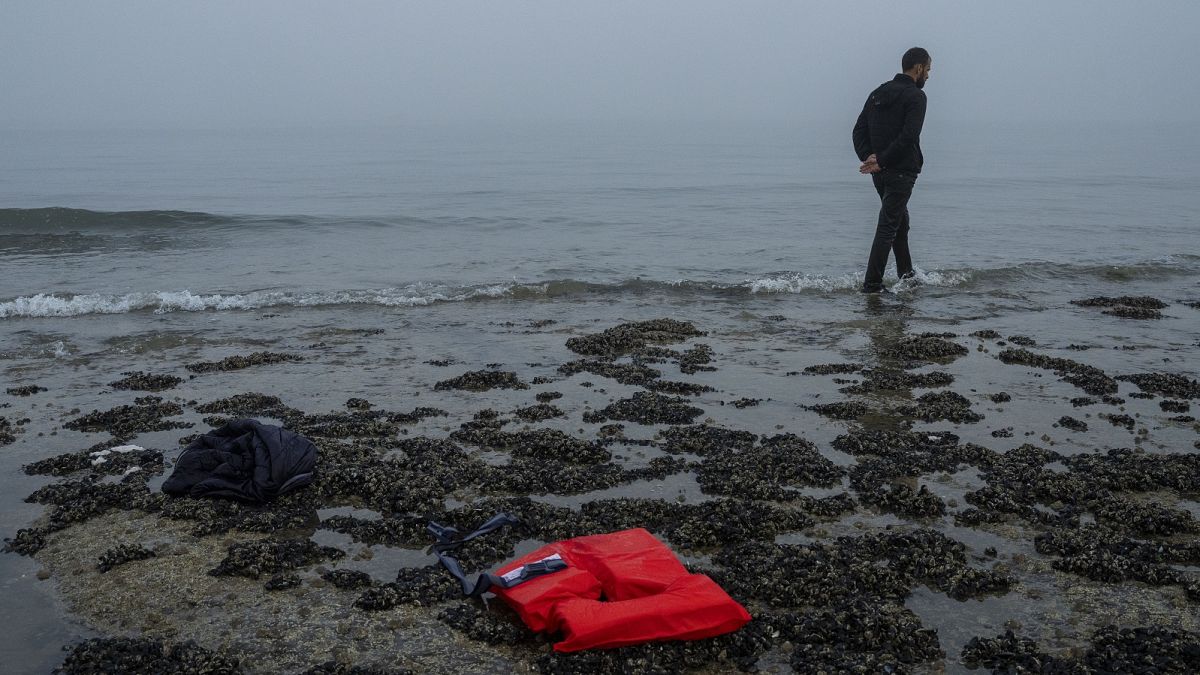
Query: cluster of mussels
140,381
121,554
26,390
8,431
239,361
1126,306
126,421
1150,650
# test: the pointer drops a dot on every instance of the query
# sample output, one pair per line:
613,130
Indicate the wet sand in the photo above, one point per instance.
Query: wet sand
882,491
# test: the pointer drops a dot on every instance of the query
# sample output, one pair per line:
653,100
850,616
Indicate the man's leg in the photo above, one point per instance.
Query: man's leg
904,266
894,190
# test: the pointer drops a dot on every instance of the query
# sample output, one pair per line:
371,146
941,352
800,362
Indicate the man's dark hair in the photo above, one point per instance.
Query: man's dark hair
914,57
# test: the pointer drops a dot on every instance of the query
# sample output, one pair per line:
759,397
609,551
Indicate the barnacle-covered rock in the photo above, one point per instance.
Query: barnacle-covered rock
833,369
1165,384
924,348
942,405
121,554
648,408
840,410
348,579
282,581
1068,422
1088,378
238,362
634,374
770,470
539,412
898,380
494,626
126,421
483,380
255,558
629,337
144,656
141,381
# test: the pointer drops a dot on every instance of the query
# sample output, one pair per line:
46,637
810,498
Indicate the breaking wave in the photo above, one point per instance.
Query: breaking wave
422,294
161,302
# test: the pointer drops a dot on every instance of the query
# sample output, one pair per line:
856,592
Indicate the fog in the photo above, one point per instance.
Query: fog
276,63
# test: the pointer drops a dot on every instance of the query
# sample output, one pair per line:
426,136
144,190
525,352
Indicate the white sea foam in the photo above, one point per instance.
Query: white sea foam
799,283
420,294
101,456
162,302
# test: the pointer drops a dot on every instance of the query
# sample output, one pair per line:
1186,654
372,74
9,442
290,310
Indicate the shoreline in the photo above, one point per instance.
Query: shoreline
631,447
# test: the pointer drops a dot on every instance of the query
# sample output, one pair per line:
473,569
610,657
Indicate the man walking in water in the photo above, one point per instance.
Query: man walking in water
887,139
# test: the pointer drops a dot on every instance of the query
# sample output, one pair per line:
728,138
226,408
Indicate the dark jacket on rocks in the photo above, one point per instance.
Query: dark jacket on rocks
243,460
890,125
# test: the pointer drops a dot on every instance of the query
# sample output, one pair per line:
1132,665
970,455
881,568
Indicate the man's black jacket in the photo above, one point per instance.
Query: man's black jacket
889,126
244,460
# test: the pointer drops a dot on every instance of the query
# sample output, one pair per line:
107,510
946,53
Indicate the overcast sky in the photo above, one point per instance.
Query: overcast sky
255,63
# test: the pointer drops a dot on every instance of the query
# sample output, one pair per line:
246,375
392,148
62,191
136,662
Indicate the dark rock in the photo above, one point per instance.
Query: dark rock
630,373
894,380
495,627
833,369
144,656
255,558
840,410
771,470
942,405
629,337
27,390
925,348
239,362
119,555
702,438
1119,420
483,380
1071,423
1165,384
678,388
1143,301
140,381
1088,378
1174,406
26,541
647,408
282,581
358,404
348,579
539,412
126,421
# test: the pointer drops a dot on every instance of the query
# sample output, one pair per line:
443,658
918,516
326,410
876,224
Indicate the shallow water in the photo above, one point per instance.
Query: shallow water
370,254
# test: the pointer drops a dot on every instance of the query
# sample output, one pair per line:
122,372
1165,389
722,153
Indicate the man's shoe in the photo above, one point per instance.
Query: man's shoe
875,290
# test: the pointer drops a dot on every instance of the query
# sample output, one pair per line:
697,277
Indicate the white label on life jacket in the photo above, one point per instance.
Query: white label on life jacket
516,574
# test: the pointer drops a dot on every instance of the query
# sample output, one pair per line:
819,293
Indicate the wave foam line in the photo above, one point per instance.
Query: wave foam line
162,302
799,283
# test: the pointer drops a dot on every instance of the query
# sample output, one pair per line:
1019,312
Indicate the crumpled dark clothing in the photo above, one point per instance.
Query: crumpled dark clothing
244,460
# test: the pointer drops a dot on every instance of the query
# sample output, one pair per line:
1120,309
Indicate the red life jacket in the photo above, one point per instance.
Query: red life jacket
619,589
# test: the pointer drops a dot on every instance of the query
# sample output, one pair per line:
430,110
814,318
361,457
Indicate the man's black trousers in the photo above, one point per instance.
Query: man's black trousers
891,232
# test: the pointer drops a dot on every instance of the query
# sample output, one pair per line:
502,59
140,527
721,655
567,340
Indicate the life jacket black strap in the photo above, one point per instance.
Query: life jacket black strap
448,539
